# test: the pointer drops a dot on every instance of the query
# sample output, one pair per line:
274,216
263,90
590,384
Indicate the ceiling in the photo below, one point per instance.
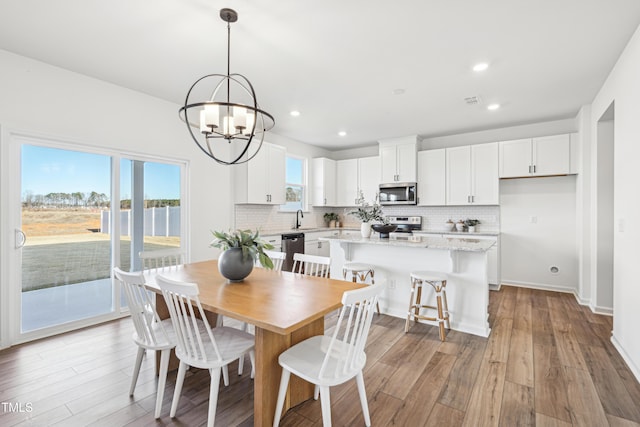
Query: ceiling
338,62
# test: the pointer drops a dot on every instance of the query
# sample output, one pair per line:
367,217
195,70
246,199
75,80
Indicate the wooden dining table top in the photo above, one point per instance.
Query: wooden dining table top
278,301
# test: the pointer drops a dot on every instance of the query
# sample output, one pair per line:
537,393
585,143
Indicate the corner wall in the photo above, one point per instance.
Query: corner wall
623,87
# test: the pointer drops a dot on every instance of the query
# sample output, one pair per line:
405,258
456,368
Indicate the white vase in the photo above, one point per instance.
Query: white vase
472,229
365,230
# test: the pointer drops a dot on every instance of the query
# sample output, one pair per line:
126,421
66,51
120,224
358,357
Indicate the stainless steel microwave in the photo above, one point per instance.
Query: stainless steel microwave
398,193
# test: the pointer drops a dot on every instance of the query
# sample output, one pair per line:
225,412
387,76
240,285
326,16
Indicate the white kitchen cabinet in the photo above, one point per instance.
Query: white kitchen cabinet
262,179
472,175
432,177
398,160
324,182
354,176
543,156
346,182
313,246
369,177
275,240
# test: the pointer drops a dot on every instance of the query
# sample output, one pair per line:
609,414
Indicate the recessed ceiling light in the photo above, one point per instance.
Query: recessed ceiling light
481,66
398,91
295,113
493,107
342,133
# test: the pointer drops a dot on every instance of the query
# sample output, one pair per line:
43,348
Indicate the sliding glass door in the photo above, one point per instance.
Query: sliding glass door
71,234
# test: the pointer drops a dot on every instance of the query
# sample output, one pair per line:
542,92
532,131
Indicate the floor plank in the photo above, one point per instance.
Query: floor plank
549,362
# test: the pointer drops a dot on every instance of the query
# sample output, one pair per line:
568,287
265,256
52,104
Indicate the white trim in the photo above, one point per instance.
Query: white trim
628,360
11,141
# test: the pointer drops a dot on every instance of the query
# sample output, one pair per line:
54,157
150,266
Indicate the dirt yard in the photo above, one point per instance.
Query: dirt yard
64,247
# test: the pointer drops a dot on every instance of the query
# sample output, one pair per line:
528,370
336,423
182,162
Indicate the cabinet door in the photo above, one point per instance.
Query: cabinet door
388,163
324,182
406,162
432,177
369,177
276,174
552,155
257,170
485,186
323,248
515,158
346,182
311,247
458,175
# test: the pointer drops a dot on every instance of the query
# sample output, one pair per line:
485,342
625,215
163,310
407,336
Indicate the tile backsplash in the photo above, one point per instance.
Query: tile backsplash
269,219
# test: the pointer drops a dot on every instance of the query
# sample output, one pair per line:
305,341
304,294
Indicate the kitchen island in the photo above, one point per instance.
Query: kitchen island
463,259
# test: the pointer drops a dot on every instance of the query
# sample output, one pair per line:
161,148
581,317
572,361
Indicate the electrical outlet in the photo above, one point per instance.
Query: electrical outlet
392,284
533,219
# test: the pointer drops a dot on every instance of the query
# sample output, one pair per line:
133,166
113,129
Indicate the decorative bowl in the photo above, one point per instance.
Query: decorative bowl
384,229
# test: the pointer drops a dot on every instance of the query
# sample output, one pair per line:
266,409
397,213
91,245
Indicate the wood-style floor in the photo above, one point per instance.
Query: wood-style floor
548,362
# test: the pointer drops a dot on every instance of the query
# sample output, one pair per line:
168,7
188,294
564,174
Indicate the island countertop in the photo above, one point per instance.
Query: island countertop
446,243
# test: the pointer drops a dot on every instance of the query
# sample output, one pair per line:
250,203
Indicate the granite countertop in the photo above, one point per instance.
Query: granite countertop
447,243
305,230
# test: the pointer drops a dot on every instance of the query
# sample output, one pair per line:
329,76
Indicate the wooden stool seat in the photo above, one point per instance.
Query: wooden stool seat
438,281
359,273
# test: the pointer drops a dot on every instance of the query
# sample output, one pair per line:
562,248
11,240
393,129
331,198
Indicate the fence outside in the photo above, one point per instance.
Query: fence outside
157,221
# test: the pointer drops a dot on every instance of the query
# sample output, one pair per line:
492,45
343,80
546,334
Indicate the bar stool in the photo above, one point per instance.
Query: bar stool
359,273
439,282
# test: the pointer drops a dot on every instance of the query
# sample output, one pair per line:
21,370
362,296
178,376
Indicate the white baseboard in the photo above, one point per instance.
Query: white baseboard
633,368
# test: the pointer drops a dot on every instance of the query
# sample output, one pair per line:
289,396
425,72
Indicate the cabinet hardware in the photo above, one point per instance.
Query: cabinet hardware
529,168
534,168
325,200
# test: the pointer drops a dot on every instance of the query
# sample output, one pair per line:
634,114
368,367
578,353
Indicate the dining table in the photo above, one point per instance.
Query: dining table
285,308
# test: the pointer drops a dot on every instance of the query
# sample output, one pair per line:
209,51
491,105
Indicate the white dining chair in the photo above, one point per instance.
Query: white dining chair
277,257
312,265
151,333
198,344
332,360
158,260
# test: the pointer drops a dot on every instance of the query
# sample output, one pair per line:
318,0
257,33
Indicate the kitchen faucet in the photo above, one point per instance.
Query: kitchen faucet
299,211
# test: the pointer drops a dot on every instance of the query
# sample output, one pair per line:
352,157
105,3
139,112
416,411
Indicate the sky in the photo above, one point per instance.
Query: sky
50,170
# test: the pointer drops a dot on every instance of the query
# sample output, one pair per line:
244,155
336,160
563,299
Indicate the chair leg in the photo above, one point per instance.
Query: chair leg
363,399
440,318
136,370
225,375
182,370
411,297
446,308
162,379
325,403
241,365
213,396
252,358
316,392
282,393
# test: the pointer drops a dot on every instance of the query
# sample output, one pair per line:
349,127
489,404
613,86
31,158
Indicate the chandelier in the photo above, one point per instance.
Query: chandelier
239,120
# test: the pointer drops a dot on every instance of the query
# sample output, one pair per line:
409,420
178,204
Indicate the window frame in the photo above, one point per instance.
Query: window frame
305,179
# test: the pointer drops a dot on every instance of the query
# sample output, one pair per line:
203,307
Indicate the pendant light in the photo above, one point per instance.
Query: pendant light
228,125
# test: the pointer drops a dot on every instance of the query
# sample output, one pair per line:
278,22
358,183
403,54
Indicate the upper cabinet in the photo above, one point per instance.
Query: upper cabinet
354,176
432,177
398,159
472,175
324,182
544,156
262,179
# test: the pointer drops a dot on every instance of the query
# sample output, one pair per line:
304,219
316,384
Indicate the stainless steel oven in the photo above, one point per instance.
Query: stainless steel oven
398,193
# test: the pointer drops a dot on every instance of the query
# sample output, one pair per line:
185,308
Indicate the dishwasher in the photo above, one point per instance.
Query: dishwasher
291,243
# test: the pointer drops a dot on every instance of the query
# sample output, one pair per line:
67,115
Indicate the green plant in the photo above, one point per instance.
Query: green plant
367,212
251,244
471,222
330,216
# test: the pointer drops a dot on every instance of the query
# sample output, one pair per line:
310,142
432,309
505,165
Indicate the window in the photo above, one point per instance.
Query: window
295,184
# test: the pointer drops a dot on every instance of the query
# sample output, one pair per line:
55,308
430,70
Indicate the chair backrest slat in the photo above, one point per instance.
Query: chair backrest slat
277,258
141,307
345,352
188,317
161,259
312,265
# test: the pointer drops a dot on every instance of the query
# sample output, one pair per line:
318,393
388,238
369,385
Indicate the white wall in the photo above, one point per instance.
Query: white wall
538,231
623,87
41,99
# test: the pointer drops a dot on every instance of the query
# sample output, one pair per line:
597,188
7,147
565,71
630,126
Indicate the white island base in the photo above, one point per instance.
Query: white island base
467,287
